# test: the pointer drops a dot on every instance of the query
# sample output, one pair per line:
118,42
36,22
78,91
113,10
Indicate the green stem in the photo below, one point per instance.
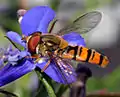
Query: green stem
48,87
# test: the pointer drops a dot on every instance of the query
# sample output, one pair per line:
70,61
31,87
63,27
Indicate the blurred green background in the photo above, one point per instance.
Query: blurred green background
105,38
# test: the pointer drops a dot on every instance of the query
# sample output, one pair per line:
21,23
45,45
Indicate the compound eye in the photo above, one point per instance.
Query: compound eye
32,42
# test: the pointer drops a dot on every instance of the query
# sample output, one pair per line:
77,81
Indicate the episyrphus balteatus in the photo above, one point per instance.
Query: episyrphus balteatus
53,47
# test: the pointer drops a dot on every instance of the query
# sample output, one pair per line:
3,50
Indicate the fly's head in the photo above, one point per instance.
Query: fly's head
32,41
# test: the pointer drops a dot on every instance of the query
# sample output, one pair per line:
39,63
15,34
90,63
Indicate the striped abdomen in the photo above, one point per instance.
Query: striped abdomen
83,54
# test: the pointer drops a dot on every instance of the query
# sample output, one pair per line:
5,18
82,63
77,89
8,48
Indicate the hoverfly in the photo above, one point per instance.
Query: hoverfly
53,46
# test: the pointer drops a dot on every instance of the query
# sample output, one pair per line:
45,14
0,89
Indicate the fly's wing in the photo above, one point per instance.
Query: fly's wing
66,70
83,24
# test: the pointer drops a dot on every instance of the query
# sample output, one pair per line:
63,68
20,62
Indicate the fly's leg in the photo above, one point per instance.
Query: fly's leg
37,60
36,56
46,65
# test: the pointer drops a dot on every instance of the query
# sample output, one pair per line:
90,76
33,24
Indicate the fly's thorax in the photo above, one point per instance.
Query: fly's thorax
52,42
52,39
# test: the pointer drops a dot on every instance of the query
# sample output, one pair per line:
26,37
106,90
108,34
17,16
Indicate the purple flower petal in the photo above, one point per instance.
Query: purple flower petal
13,52
23,54
9,49
15,37
1,62
10,73
17,56
74,38
57,74
37,19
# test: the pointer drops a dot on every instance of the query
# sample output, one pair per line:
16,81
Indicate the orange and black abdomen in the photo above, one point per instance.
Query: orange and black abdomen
83,54
33,42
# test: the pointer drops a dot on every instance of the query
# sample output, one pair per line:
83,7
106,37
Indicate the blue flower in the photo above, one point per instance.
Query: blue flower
6,53
36,19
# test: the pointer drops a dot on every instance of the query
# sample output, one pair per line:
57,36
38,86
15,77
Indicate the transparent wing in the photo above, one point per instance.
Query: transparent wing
66,70
83,24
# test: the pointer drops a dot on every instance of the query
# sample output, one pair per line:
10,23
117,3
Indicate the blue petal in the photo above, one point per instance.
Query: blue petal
9,49
74,38
18,56
15,37
37,19
54,72
23,54
12,53
1,62
10,73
